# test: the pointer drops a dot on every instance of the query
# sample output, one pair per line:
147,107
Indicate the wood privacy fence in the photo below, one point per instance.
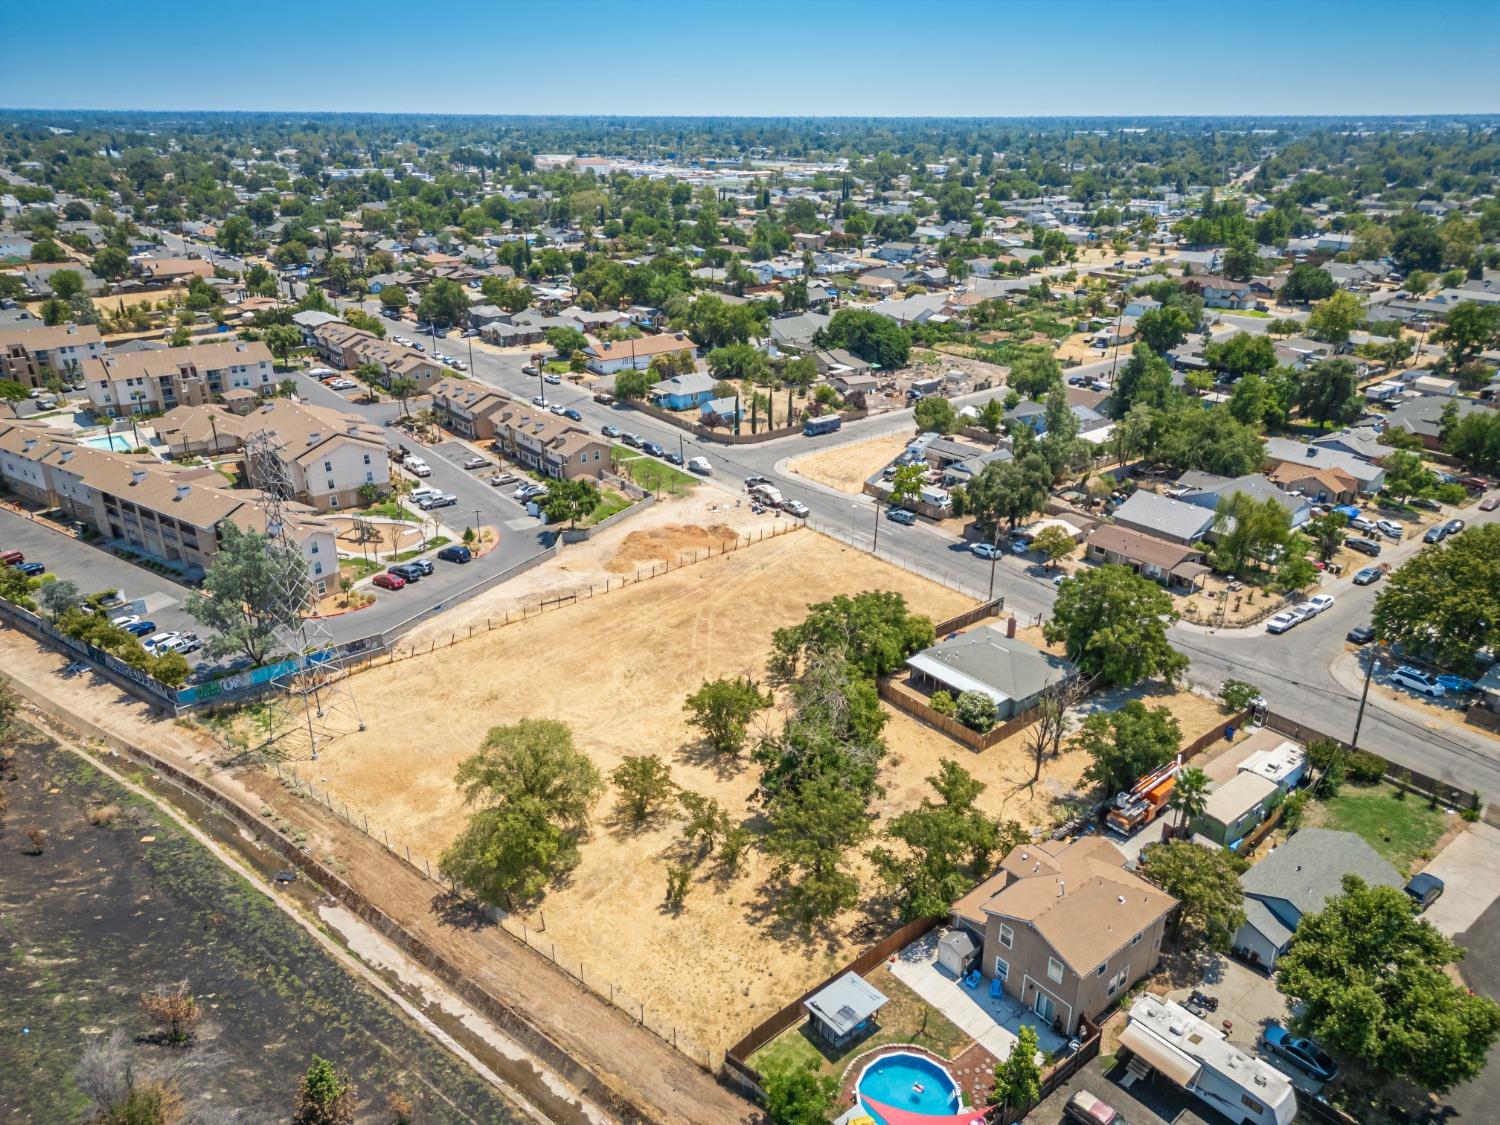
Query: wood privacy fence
1088,1050
684,421
963,620
1434,788
906,699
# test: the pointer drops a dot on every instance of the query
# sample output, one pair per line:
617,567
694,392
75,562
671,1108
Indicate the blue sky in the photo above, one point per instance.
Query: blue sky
761,57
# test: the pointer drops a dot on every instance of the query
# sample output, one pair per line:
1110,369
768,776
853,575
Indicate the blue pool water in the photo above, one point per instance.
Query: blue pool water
893,1079
119,443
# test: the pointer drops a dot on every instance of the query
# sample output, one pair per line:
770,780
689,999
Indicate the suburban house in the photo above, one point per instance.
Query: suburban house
1065,927
1324,485
168,271
1369,476
1208,490
152,381
876,285
1296,879
684,392
605,358
1302,353
1423,416
1177,566
326,457
795,333
549,444
835,363
31,351
983,659
1163,518
467,407
1220,292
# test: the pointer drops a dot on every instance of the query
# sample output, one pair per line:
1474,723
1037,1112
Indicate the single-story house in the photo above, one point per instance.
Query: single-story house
1158,516
1298,878
1371,477
727,408
1326,485
1423,416
684,392
1009,671
616,355
1236,808
1174,565
1207,490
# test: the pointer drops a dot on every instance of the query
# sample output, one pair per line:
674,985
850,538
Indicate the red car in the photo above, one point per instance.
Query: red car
388,581
1489,503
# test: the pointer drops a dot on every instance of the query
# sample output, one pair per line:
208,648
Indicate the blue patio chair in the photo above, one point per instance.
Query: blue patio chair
996,988
971,981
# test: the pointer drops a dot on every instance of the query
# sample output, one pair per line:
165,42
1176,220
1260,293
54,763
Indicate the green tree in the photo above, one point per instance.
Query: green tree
908,483
1406,476
60,595
1053,543
242,598
1469,329
1251,402
1034,375
740,361
633,384
392,297
111,263
1189,795
325,1097
1210,441
1206,884
1296,571
1367,979
1327,532
566,341
1113,624
236,235
1163,329
874,338
443,301
66,284
283,339
811,828
530,792
1128,743
1446,599
510,295
1329,392
1018,1080
935,414
1236,695
874,631
722,709
46,250
1247,530
975,710
1009,491
1242,354
1475,440
796,1094
645,784
569,499
1335,319
1306,283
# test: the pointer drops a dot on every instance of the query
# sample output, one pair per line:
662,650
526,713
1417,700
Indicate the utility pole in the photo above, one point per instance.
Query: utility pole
994,557
1359,717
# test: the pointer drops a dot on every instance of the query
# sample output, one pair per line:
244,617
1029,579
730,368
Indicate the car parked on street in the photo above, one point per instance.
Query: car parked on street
795,508
388,581
653,449
441,500
31,569
901,516
1302,1053
1435,533
159,641
1418,681
753,480
188,642
1319,602
674,458
1490,503
552,378
1360,635
985,550
569,412
1454,526
455,553
1282,622
539,400
609,431
1370,574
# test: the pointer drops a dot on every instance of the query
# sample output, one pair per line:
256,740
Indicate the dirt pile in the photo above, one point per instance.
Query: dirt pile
668,543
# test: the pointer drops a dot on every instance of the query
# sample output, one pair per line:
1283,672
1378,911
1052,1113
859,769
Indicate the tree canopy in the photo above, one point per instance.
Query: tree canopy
875,632
1113,624
1445,600
1206,882
242,596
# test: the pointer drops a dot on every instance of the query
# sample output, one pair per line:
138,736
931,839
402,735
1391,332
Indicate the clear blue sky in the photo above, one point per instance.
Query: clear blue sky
760,57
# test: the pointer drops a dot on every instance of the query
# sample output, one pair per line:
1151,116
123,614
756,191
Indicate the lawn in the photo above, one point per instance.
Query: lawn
906,1019
649,473
1401,831
610,501
359,568
432,545
384,508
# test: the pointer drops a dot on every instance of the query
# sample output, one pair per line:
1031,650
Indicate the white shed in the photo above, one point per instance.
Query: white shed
956,949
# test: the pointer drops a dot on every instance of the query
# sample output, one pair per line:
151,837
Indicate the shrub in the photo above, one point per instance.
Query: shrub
1327,757
1365,768
942,702
1236,695
976,711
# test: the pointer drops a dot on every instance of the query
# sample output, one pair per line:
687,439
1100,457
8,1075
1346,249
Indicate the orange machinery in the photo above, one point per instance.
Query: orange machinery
1143,802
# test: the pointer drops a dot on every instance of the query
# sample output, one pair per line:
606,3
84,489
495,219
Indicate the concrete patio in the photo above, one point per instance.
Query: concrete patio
993,1022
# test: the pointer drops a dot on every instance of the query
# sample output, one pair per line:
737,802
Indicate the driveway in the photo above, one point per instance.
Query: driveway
1467,867
1475,1102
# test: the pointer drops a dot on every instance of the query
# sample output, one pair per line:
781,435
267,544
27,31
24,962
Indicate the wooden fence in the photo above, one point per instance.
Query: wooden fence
963,620
906,699
1088,1051
682,420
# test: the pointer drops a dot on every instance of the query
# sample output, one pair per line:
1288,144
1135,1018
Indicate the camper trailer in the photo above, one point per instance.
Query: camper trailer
1165,1037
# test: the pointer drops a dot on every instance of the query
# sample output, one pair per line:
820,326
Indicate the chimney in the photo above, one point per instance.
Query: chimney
182,491
1010,627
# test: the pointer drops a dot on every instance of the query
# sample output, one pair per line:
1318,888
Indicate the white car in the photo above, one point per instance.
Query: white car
1415,680
418,467
1319,602
160,640
1282,622
1390,529
553,378
125,620
320,372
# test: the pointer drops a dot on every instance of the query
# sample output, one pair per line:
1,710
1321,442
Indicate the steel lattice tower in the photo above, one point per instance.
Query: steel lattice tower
314,702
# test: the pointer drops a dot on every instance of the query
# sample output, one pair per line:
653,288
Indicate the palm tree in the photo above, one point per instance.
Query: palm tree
1189,795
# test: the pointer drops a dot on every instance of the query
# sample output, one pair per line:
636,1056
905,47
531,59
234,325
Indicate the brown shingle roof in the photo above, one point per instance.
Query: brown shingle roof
1140,548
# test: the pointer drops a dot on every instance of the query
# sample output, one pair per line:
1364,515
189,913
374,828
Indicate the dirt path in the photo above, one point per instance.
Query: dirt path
635,1063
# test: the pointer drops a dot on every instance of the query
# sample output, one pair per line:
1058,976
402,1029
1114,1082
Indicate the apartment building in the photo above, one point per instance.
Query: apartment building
1065,928
156,381
348,347
549,444
467,407
170,513
31,351
325,457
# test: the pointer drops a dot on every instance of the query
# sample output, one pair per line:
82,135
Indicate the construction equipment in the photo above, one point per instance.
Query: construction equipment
1144,801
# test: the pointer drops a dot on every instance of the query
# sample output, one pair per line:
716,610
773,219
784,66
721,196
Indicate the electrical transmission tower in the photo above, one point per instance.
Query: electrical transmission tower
313,701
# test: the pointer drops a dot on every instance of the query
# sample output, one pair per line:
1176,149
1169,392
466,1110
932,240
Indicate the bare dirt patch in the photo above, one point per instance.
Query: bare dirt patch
847,467
670,543
616,668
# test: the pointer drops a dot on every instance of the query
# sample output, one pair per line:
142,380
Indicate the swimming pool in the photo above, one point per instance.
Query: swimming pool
118,443
906,1081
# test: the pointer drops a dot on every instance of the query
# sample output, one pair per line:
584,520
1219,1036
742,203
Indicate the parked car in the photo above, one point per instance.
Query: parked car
1435,533
528,369
141,628
1083,1108
188,642
556,408
653,448
502,477
569,412
1418,681
1360,635
1390,529
405,571
441,500
795,508
1453,527
32,569
476,462
752,480
1426,503
529,491
1319,602
604,396
632,440
674,458
1359,523
1457,685
1477,484
388,581
538,400
1370,574
1282,622
1490,503
158,641
984,550
455,553
901,516
125,620
610,431
1424,889
424,566
700,466
553,378
11,558
1302,1053
418,467
1363,546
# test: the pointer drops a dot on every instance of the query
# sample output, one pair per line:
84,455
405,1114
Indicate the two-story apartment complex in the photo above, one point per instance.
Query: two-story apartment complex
1065,928
154,381
549,444
325,457
348,347
467,407
31,351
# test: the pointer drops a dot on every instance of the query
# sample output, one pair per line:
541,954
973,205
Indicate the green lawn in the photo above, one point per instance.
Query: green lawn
649,473
384,508
907,1018
360,568
610,502
1399,830
432,545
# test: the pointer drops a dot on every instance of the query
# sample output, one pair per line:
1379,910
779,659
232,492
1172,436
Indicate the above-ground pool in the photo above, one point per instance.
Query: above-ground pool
906,1081
118,443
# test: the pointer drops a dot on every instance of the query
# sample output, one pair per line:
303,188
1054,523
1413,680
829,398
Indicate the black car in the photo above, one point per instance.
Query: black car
1435,533
674,458
1362,545
406,571
572,414
652,448
1360,635
1424,890
455,553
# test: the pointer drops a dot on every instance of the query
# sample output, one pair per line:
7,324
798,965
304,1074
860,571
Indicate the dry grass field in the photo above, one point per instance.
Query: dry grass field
847,467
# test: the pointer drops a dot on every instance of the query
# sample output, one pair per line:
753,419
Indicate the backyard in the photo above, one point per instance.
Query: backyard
1403,831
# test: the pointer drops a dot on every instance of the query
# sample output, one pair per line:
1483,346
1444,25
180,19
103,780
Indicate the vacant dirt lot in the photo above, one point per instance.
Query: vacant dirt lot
847,467
617,668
